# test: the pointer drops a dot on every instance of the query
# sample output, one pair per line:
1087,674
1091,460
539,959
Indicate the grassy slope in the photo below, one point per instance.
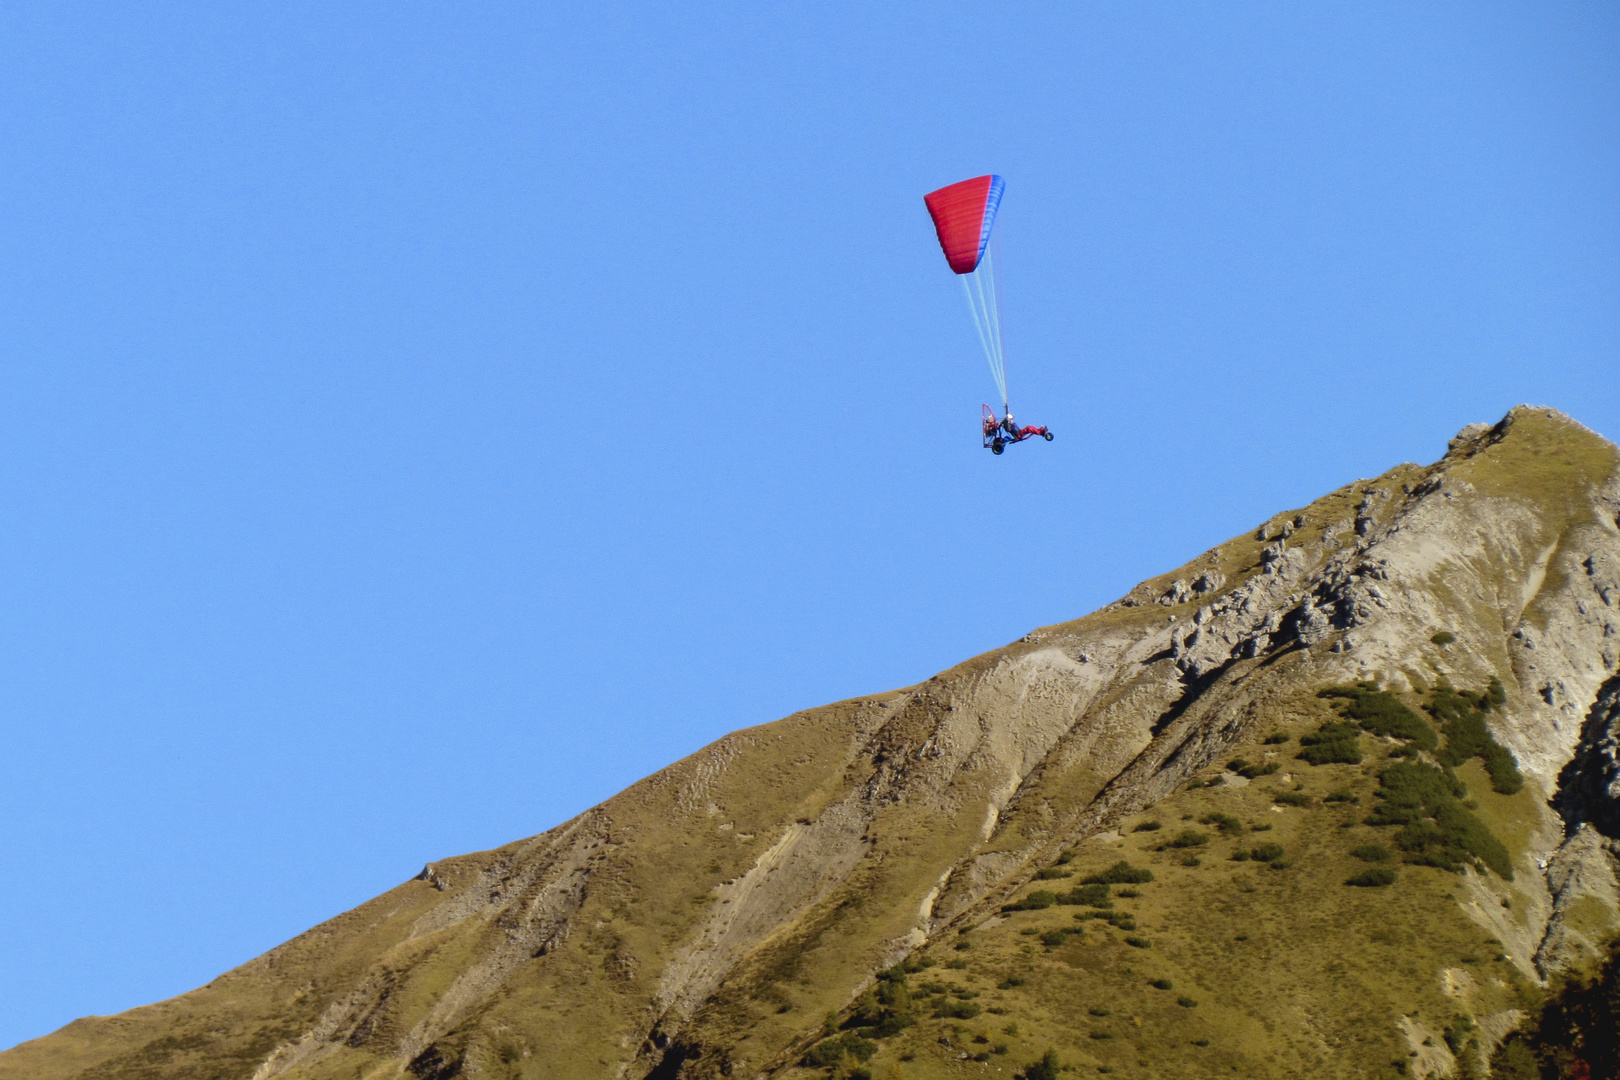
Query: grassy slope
666,848
1294,972
248,1011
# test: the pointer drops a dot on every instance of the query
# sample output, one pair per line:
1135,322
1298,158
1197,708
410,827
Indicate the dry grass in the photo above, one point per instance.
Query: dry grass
1294,973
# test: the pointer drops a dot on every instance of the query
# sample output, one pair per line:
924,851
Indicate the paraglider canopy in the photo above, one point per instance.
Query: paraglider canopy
964,213
964,216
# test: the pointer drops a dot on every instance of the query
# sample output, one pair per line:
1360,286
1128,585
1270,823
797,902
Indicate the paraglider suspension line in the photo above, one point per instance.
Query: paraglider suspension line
984,301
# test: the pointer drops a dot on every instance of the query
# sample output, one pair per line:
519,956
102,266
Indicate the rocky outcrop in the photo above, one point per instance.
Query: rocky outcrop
1589,786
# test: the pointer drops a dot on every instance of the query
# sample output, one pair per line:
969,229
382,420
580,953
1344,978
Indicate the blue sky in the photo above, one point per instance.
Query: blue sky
417,424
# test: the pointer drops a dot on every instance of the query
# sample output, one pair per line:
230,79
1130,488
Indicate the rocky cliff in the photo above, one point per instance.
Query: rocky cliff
897,885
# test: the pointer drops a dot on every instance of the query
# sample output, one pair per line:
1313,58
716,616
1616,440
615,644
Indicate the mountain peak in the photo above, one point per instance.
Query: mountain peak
1457,620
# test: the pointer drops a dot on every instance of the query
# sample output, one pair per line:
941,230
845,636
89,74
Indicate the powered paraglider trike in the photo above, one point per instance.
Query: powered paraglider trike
998,433
965,219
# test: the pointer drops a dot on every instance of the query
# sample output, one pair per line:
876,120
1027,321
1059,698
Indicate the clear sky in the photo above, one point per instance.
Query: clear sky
419,421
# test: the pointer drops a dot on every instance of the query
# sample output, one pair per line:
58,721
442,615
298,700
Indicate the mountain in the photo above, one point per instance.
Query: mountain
1339,797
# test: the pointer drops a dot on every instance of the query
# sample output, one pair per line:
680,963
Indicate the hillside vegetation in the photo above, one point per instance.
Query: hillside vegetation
1224,930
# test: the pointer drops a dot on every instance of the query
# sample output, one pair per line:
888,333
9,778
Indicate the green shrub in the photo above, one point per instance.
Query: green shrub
958,964
1007,984
1191,860
1066,858
1093,895
956,1010
1139,943
1373,877
1444,638
1266,853
1276,738
1279,864
1382,713
1225,824
1100,1012
1409,789
1372,853
1458,1033
1291,798
1240,856
1053,938
1160,984
824,1053
1121,873
1462,718
1514,1060
1189,838
1186,1003
1437,830
1335,742
1051,873
1045,1069
1251,771
1341,796
1039,900
832,1051
866,1012
1121,920
1148,826
1131,894
1450,840
860,1049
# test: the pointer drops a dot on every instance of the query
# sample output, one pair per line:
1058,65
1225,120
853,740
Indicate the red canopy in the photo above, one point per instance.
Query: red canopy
963,214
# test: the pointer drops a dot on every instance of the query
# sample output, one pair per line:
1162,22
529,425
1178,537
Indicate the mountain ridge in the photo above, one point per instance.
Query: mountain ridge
704,921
